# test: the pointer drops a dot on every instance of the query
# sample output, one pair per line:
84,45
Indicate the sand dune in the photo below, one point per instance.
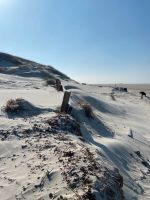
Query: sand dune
45,154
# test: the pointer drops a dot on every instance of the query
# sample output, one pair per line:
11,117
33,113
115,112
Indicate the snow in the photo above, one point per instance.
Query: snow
30,89
108,132
127,112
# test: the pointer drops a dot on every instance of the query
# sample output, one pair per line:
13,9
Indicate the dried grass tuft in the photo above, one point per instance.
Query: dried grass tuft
88,110
14,105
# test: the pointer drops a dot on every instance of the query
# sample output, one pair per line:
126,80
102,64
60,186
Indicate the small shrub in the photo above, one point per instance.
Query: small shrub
113,97
50,81
21,108
13,105
88,110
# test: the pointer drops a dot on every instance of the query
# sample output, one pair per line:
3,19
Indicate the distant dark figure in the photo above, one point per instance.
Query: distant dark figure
143,94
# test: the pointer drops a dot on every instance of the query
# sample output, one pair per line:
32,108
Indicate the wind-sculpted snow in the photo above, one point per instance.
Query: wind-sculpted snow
110,131
46,154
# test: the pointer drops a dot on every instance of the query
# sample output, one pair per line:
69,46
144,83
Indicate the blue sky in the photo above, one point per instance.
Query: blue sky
94,41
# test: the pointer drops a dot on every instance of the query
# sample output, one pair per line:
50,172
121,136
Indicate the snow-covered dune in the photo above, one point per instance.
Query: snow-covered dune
15,65
45,154
110,131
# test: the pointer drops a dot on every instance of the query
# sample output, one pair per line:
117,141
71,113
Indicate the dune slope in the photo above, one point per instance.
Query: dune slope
45,154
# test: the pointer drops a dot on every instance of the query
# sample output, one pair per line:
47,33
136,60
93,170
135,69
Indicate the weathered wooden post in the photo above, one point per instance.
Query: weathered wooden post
58,82
59,86
65,105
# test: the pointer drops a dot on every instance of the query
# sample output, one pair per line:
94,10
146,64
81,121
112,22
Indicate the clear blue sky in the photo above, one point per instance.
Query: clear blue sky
95,41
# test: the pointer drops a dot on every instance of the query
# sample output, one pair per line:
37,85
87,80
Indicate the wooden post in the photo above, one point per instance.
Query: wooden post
64,106
59,86
58,83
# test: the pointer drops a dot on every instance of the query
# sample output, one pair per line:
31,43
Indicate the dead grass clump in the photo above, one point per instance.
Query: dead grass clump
50,81
88,110
13,105
113,97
